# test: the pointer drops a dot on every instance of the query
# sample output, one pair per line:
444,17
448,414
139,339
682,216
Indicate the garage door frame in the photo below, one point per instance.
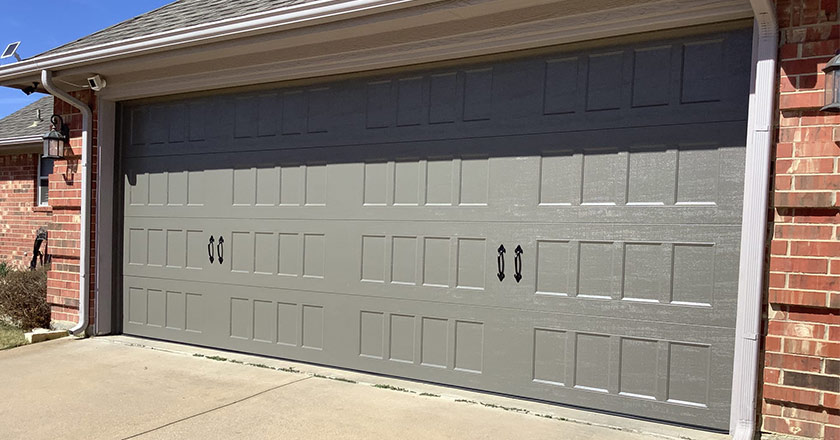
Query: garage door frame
107,296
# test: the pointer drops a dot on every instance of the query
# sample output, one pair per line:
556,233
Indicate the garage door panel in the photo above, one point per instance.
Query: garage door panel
553,178
554,357
655,273
608,88
360,223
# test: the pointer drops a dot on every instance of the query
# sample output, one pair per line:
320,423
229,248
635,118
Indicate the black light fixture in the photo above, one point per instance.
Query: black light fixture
56,139
832,86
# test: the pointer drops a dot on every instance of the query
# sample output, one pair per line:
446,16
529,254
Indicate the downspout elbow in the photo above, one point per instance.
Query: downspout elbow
84,240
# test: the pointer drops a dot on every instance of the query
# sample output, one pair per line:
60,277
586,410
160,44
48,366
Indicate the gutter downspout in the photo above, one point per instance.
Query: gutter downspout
84,242
748,332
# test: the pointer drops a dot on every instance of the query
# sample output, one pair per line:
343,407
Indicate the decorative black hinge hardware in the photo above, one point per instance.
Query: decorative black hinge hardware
210,249
517,264
220,249
500,261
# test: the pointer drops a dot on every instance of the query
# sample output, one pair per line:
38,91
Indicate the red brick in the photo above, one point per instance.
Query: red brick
804,232
792,362
813,282
796,329
779,247
820,48
801,100
783,182
778,280
823,316
784,149
795,395
798,265
794,427
831,400
791,199
789,51
773,344
805,166
771,375
797,297
815,248
821,182
804,413
816,149
812,347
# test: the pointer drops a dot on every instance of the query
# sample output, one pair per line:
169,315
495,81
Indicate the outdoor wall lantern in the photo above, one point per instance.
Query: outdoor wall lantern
56,138
832,86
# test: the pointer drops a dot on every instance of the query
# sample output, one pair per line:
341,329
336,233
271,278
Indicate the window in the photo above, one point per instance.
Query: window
45,168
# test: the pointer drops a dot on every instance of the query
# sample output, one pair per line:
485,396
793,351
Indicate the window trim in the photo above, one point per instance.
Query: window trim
38,179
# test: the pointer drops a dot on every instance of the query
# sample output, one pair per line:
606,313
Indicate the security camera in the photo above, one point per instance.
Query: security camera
28,90
96,83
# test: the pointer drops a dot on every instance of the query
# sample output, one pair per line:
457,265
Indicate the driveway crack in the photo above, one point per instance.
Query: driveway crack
215,409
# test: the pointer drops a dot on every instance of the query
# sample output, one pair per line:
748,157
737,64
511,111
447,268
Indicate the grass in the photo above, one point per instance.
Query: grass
10,337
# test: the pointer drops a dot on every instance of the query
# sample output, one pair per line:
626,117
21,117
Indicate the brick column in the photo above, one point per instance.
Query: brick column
65,200
801,392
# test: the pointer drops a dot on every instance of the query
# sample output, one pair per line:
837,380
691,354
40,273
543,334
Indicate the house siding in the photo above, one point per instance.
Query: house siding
801,386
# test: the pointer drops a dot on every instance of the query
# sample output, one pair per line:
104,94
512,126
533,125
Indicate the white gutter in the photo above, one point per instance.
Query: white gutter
275,20
84,235
35,139
748,332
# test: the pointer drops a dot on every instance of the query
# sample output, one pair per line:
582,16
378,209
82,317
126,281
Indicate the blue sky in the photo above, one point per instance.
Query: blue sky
46,24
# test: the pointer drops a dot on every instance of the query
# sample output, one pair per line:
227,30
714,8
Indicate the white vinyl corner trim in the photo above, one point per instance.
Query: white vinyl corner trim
84,238
743,421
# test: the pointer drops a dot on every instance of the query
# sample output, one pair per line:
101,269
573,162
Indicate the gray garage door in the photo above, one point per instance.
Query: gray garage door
360,223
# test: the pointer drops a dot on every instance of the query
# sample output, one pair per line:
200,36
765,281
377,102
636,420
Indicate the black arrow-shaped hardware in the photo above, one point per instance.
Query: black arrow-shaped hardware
220,249
500,261
517,264
210,249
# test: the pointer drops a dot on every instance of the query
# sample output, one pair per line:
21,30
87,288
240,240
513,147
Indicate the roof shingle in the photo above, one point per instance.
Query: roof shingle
25,122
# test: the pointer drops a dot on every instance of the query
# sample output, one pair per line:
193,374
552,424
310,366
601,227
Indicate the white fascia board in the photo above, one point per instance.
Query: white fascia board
21,141
294,16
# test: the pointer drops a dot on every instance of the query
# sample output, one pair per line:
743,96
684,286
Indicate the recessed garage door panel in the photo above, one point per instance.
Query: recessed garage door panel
527,226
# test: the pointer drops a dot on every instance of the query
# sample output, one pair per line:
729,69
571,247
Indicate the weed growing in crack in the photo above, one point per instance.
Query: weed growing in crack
471,402
341,379
506,408
260,366
216,358
392,388
429,395
198,355
234,361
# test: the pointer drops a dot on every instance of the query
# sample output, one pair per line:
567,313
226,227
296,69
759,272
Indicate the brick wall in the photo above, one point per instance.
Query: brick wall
801,392
20,215
65,199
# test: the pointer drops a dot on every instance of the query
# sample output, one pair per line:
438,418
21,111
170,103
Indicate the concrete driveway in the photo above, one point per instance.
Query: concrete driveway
127,388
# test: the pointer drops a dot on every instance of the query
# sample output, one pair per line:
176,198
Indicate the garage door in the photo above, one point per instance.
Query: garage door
561,225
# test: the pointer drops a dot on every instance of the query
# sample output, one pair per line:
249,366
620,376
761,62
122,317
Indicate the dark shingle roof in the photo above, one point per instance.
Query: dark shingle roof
176,15
25,122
